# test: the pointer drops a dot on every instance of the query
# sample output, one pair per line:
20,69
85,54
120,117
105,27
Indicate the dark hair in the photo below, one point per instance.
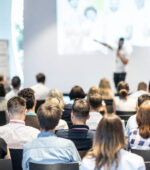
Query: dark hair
90,8
123,89
40,78
1,77
16,105
121,39
28,95
16,82
149,87
95,100
2,90
143,119
143,98
142,86
80,108
76,92
49,116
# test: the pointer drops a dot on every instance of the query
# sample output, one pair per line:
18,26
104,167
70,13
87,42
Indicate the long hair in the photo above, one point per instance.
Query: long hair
143,119
108,141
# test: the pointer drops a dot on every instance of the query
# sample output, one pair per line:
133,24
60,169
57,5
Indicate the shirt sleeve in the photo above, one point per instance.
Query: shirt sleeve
25,160
3,148
75,154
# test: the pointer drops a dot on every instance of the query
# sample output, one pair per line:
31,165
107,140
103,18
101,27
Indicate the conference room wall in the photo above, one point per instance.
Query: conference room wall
65,71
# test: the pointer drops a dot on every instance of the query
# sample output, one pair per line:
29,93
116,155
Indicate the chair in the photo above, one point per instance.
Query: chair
59,166
16,156
109,105
146,156
67,114
5,164
3,118
82,153
38,104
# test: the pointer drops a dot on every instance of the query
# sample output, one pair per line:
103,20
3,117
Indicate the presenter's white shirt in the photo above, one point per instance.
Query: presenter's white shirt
62,125
119,66
11,94
41,91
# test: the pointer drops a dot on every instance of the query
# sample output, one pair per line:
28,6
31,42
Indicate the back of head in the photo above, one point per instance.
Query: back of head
123,89
16,106
76,92
56,101
2,90
142,86
104,84
1,77
143,119
143,98
95,101
93,90
109,139
40,78
81,109
55,93
28,95
16,82
49,116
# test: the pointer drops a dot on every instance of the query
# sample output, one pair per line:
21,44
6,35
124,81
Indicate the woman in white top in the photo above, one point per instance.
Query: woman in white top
123,102
107,152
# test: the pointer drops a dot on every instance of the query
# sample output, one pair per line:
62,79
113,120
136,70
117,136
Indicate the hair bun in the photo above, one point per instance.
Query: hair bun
123,93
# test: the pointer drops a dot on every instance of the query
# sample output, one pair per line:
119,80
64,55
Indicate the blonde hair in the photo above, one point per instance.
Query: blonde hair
104,84
55,93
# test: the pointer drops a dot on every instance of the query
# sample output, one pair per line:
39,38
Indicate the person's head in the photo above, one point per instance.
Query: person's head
108,141
2,90
80,111
90,13
40,78
28,95
16,82
49,115
149,87
143,119
121,42
104,84
142,86
76,92
55,93
2,79
123,89
95,102
142,99
16,107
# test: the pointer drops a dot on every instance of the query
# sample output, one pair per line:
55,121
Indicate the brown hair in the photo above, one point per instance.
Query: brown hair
81,109
104,84
76,92
142,86
108,141
49,115
40,78
143,119
16,105
95,100
2,90
123,89
143,98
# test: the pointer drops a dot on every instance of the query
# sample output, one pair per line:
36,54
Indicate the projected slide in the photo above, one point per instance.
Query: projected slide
81,21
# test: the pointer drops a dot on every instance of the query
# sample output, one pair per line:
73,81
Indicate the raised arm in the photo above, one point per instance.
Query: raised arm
104,44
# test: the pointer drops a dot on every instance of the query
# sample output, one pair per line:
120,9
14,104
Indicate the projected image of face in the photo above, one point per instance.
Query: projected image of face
114,5
139,3
73,3
90,13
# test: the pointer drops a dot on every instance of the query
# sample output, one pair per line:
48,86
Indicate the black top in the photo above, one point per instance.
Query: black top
80,135
3,148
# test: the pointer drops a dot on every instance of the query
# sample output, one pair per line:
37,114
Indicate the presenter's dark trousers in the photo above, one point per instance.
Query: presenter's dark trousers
119,77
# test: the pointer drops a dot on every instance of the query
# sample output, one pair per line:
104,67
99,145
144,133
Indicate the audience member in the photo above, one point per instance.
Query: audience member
4,151
48,148
132,123
3,102
41,91
15,82
16,134
108,148
79,132
149,87
4,82
31,117
123,102
139,138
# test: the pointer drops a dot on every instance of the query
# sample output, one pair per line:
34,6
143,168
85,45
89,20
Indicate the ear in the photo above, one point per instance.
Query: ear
8,113
88,117
35,103
72,115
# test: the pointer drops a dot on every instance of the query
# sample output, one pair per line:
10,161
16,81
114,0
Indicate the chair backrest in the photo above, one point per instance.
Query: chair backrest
59,166
38,104
109,105
3,118
16,156
5,164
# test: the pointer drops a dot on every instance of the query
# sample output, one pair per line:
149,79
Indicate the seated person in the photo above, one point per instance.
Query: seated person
108,148
123,102
95,101
3,101
4,151
3,81
139,138
15,133
31,117
79,132
132,123
41,91
15,82
48,148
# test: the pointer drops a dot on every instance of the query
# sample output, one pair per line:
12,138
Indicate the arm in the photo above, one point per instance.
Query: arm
8,154
104,44
124,60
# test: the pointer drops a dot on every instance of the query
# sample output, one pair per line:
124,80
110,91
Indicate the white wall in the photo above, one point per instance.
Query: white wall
63,72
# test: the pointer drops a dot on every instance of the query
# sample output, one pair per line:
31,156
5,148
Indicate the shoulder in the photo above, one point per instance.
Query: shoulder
62,133
88,163
31,130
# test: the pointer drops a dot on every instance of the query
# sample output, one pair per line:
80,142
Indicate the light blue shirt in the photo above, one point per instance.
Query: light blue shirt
49,149
31,114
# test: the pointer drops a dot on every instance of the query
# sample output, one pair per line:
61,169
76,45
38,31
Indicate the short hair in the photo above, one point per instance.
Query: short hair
55,93
90,8
16,105
123,89
15,82
95,100
40,78
1,77
142,86
80,109
2,90
28,95
76,92
121,39
49,116
143,98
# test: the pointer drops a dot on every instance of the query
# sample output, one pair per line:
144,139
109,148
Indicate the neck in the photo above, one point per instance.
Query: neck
16,88
17,118
95,110
31,110
78,122
52,131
